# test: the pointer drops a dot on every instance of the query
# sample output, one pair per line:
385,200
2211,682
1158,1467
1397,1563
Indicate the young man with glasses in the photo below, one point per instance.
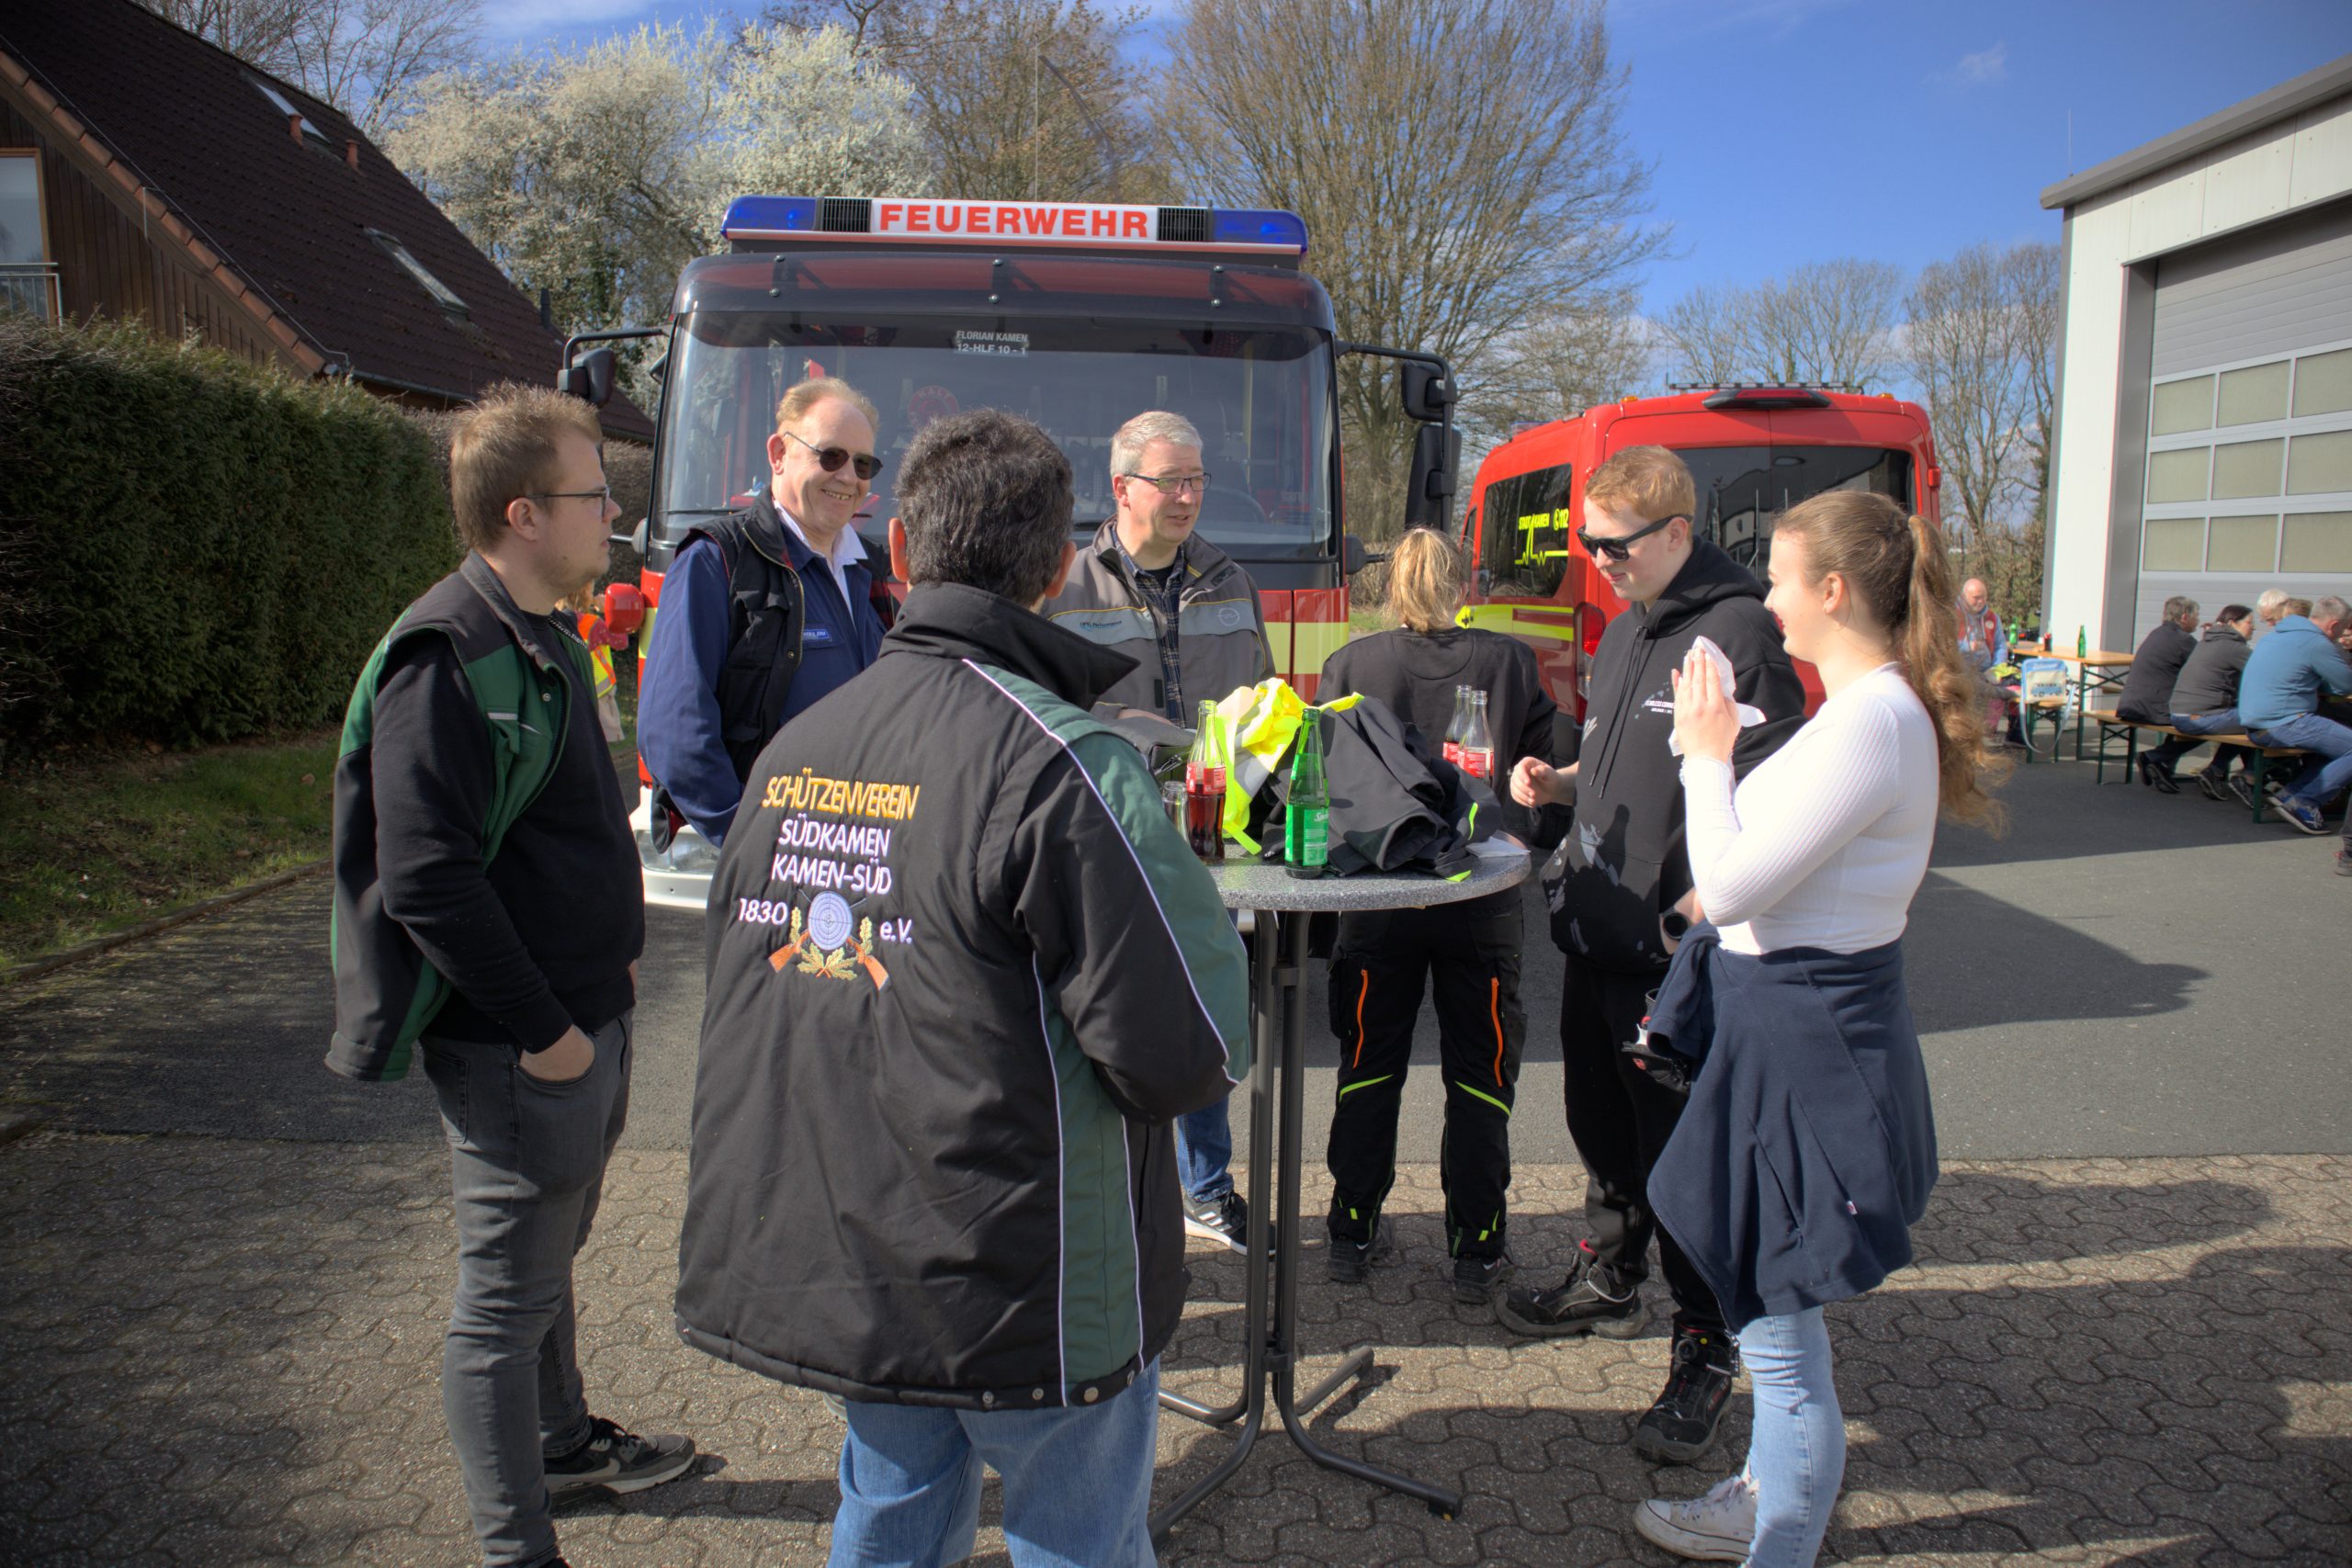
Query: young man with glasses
1148,587
762,611
1625,901
488,917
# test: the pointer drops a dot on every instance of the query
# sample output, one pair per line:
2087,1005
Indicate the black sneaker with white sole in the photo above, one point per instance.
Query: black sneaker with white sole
1682,1424
1352,1259
618,1460
1593,1299
1476,1278
1224,1219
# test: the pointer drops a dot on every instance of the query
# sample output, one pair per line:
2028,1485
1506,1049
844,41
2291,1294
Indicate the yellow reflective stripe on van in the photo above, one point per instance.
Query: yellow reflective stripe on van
1559,625
1313,642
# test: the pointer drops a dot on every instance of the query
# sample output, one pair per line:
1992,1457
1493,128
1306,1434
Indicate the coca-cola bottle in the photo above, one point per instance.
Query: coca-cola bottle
1478,752
1205,786
1461,722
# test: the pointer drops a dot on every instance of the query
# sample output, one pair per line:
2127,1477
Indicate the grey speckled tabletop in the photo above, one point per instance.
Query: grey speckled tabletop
1263,884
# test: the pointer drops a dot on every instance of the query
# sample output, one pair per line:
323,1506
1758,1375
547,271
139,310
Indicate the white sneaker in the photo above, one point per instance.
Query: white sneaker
1713,1528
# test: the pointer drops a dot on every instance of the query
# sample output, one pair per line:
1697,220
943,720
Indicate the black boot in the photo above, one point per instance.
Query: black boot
1681,1426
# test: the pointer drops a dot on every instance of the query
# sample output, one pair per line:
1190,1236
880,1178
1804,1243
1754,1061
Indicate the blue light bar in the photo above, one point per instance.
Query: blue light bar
769,217
1268,226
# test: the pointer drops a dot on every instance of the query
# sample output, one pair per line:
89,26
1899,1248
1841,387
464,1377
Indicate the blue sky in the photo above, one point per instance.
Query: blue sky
1785,131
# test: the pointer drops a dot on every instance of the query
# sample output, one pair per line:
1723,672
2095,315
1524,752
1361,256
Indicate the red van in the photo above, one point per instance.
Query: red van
1755,451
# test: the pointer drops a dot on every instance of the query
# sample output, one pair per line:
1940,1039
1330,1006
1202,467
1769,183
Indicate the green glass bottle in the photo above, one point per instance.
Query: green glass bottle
2082,642
1307,816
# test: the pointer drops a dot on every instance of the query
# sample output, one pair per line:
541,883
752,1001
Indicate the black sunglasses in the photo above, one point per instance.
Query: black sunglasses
831,458
1623,549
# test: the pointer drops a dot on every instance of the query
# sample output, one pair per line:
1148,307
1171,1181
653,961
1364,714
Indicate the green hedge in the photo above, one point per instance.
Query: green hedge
196,550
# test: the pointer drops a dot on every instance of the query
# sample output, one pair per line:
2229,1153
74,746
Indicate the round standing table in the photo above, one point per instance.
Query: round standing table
1278,1011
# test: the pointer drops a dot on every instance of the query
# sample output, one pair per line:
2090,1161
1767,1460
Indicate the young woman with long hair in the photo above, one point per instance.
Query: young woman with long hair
1468,953
1808,1146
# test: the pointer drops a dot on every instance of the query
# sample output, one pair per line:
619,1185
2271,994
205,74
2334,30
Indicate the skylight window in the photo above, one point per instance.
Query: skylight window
442,295
286,106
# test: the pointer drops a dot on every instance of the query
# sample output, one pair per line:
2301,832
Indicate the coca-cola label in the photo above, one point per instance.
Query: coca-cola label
1478,761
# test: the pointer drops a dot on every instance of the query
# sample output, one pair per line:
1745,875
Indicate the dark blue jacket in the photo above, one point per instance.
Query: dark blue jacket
1808,1147
691,747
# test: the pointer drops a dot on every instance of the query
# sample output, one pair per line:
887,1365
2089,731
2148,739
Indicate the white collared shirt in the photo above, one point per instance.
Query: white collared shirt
848,550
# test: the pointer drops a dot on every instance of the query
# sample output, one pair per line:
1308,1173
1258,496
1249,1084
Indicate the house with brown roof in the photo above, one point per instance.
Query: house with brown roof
145,173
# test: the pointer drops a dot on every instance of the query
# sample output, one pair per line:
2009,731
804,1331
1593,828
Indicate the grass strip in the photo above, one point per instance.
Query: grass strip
96,840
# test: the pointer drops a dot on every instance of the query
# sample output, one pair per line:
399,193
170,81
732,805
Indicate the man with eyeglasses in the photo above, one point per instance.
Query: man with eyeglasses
762,611
488,918
1623,903
1149,587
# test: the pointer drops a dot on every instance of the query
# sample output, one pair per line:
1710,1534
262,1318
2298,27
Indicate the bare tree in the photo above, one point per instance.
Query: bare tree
1565,361
1018,97
1963,347
2033,282
1442,217
1827,321
366,57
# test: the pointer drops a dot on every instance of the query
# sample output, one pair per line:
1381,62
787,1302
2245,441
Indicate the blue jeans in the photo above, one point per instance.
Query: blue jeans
527,1168
1796,1450
2328,770
1204,1153
2224,722
1077,1482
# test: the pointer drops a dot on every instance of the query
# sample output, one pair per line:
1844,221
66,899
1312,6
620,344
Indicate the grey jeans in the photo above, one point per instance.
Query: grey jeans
527,1168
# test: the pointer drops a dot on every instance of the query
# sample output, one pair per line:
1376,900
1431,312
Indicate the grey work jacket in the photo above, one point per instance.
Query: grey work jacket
1220,627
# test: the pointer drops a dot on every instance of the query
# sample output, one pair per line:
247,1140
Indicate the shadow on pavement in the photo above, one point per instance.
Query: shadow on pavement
1972,959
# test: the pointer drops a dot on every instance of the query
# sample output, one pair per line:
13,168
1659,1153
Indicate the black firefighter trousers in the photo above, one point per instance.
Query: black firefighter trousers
1621,1118
1471,954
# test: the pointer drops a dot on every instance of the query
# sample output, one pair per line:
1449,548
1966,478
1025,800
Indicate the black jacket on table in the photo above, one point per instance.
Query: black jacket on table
962,973
2156,667
2209,680
1416,673
1625,864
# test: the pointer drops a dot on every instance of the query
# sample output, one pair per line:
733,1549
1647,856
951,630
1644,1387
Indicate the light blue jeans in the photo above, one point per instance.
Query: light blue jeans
1077,1482
1796,1450
2329,768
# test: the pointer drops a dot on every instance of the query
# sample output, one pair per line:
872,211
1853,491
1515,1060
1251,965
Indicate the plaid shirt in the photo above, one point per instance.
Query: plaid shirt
1161,591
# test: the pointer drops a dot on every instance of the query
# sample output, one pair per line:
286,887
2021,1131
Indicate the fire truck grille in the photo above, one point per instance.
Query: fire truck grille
1185,225
840,215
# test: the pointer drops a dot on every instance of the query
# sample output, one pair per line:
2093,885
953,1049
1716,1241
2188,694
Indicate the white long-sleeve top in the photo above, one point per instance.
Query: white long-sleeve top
1825,841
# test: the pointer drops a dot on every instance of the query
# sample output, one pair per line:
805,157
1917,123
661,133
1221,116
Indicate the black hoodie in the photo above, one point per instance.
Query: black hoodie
1624,864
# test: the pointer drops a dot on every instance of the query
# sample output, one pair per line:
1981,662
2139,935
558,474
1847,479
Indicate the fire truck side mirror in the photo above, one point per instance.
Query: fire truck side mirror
1425,392
624,609
1436,453
1352,557
589,377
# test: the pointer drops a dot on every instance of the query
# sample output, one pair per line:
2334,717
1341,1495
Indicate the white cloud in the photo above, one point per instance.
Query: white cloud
1982,69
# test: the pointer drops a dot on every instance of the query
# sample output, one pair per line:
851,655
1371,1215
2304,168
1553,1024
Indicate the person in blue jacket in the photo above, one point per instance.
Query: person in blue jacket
1808,1146
2278,699
762,611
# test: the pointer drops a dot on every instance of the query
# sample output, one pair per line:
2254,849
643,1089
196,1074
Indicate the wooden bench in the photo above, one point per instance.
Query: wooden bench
2054,709
2111,728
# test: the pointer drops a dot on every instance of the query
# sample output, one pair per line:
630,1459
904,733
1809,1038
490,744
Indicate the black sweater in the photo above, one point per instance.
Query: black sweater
2147,689
543,938
1625,863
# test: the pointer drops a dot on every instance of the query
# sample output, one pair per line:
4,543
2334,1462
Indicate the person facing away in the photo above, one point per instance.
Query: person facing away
488,916
1186,614
762,611
2146,697
2278,697
962,973
1467,953
1808,1149
1624,900
2205,701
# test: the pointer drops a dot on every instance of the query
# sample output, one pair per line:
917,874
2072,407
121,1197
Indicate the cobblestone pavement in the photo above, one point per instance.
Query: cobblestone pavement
221,1350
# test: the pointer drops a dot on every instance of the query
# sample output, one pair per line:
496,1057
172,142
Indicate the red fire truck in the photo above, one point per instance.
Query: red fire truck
1755,451
1077,315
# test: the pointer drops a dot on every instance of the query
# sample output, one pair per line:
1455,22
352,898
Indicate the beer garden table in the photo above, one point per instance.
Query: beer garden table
1278,1012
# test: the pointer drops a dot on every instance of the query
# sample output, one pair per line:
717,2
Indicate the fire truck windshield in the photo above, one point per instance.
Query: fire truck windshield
1260,396
1742,489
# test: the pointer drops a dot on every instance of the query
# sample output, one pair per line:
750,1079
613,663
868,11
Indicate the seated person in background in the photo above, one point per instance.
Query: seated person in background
2205,701
2147,690
2278,698
2272,603
1983,646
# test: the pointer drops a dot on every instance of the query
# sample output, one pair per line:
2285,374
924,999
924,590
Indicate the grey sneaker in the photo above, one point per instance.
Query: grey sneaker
1715,1526
618,1460
1224,1219
1351,1261
1476,1278
1591,1300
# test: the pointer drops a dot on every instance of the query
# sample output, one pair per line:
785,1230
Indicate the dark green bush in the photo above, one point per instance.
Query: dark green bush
200,549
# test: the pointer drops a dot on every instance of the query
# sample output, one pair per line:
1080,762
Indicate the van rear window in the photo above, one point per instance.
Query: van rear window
1743,489
1524,523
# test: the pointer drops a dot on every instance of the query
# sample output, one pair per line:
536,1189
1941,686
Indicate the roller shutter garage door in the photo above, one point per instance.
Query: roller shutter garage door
2249,461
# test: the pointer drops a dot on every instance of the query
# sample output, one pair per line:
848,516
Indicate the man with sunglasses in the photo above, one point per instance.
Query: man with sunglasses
762,611
1149,587
1621,904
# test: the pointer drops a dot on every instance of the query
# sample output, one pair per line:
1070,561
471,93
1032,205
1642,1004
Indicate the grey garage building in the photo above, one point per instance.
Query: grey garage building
2204,432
